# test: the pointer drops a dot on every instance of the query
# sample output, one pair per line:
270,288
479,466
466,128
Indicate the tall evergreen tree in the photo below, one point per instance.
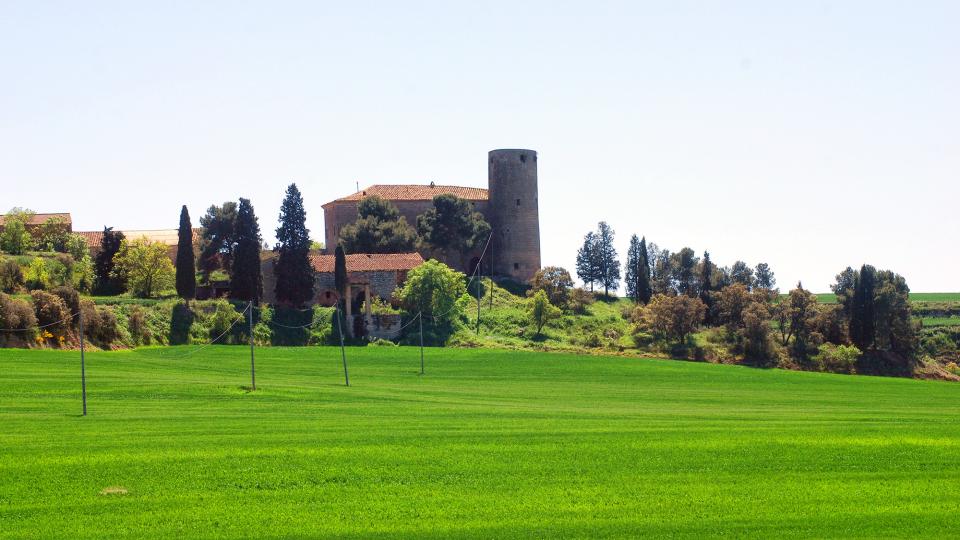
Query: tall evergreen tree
246,282
644,287
586,261
631,270
294,274
608,265
107,282
340,272
637,271
706,286
763,277
186,264
219,225
862,318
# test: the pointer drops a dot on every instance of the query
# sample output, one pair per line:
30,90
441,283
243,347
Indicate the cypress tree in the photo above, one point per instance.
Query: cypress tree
294,273
632,270
706,286
186,264
246,282
644,289
862,313
107,282
340,272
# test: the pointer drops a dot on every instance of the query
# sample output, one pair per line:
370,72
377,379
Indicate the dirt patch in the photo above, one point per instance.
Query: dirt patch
114,490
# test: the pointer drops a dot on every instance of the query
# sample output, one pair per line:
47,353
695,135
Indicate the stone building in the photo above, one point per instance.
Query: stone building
509,204
168,237
36,220
369,276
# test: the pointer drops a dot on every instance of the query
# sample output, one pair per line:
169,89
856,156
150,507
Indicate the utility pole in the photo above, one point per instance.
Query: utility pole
343,352
253,369
83,369
479,288
421,342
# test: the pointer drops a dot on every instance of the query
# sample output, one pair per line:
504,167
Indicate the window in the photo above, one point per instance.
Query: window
328,295
516,266
518,202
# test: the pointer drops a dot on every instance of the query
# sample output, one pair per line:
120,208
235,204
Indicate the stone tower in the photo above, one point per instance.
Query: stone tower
513,213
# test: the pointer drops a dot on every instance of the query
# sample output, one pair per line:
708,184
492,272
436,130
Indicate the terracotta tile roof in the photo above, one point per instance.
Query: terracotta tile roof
39,219
415,192
168,237
372,262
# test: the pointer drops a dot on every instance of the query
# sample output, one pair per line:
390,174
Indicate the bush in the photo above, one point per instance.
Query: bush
71,298
99,324
555,282
52,313
16,314
37,276
837,358
11,276
580,300
137,324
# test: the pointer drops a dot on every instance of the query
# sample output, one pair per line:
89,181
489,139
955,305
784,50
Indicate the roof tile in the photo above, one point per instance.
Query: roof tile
369,262
416,192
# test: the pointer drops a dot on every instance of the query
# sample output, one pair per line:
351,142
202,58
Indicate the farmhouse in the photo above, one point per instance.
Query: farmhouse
509,204
167,237
36,220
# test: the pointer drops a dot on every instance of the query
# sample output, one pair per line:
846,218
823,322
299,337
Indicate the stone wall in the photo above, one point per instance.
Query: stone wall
515,214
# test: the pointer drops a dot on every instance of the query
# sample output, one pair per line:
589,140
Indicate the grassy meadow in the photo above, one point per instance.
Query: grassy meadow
487,444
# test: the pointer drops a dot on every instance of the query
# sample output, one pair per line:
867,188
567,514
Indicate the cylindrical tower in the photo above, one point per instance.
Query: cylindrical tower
514,214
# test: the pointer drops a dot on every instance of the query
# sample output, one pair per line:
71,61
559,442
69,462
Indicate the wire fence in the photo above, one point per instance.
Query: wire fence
248,312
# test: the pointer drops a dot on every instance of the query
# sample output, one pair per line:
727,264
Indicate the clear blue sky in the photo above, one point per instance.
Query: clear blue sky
810,135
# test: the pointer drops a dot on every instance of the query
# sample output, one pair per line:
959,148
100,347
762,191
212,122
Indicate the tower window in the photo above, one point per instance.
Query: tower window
516,266
518,202
523,158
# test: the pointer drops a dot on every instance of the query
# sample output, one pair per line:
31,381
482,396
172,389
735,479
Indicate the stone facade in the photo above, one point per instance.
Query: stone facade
510,205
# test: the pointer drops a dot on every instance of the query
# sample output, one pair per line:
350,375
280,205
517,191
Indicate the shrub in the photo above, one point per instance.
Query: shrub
77,247
52,313
555,282
837,358
71,298
61,269
580,300
139,329
37,276
11,276
16,314
377,342
541,311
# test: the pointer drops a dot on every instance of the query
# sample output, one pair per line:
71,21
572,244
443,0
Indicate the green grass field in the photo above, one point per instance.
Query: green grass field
487,444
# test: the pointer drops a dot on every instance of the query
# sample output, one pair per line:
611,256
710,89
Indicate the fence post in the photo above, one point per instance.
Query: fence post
253,369
83,369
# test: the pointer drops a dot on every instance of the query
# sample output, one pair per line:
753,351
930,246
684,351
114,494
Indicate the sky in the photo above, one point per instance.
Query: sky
808,135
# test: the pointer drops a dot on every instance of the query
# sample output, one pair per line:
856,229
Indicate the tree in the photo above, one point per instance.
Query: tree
186,264
219,229
340,278
52,235
587,269
763,277
77,247
14,238
706,286
246,282
107,281
862,329
146,267
684,272
661,272
451,226
608,265
742,274
797,315
433,289
675,317
756,331
637,271
732,302
894,326
555,282
294,273
541,311
379,229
